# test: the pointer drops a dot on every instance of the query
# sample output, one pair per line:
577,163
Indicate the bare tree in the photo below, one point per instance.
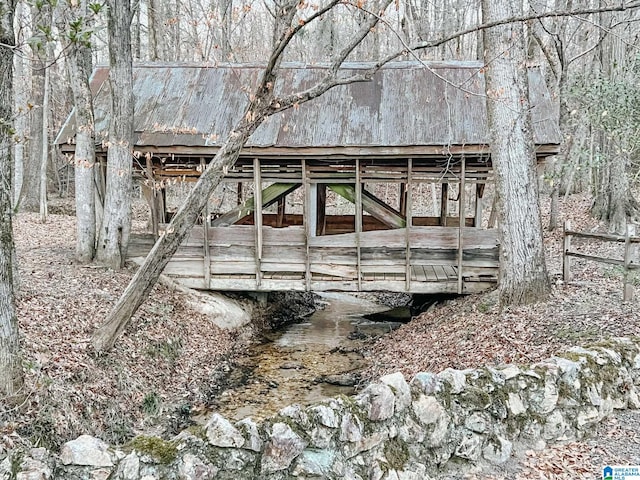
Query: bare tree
523,272
79,32
116,223
10,363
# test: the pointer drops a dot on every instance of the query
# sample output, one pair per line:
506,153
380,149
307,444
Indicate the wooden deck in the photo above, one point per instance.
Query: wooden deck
421,259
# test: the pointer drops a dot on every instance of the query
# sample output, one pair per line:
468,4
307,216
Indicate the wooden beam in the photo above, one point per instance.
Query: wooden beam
408,191
444,204
205,225
370,204
358,221
321,209
257,218
307,227
477,221
269,196
461,215
403,198
282,203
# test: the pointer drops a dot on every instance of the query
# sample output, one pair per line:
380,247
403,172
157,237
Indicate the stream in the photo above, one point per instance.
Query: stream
305,362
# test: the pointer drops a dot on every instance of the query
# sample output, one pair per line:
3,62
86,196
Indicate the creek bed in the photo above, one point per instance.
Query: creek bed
305,362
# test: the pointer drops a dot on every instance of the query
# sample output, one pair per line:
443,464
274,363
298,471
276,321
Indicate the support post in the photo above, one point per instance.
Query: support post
462,222
321,209
403,198
205,226
282,202
566,248
477,221
257,218
629,248
307,226
358,222
444,205
151,198
407,204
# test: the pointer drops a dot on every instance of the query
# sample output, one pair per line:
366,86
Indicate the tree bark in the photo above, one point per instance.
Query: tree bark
523,273
116,224
79,67
11,379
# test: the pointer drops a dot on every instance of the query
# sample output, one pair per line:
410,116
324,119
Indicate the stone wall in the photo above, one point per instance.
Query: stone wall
437,423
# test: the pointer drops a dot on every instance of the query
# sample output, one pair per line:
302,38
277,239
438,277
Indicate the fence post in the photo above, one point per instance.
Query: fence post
627,292
566,260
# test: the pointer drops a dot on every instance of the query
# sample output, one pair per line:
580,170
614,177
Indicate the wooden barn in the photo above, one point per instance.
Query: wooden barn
373,186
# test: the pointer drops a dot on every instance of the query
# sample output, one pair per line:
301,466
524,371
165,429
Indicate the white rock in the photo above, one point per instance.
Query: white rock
221,433
498,453
515,404
476,422
456,378
283,447
351,428
192,468
587,417
251,434
129,467
378,400
469,447
86,450
326,416
400,389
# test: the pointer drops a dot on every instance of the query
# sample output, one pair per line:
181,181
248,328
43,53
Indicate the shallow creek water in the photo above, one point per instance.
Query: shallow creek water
304,362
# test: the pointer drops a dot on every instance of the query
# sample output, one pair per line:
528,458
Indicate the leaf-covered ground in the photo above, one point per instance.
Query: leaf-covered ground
472,331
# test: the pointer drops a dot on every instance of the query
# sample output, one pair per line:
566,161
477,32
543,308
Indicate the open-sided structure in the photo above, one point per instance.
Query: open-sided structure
372,186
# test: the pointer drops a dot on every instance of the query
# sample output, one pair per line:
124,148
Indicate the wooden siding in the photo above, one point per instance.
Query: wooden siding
290,260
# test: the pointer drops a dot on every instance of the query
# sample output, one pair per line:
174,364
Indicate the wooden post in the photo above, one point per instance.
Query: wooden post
629,248
477,221
444,205
282,202
462,222
239,193
403,197
407,212
152,194
321,209
358,222
205,226
566,248
257,218
305,221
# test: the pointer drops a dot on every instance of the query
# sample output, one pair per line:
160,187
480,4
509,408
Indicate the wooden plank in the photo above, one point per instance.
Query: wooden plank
321,208
461,214
293,235
307,228
233,267
283,267
444,204
602,236
333,270
205,225
409,223
358,219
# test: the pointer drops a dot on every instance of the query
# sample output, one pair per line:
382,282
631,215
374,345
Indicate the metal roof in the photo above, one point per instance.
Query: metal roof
407,104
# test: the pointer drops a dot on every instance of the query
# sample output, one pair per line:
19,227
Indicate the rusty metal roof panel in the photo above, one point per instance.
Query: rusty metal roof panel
407,104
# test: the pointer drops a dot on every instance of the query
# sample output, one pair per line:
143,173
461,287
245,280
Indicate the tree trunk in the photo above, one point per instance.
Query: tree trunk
21,122
79,65
164,248
44,155
10,363
523,273
116,224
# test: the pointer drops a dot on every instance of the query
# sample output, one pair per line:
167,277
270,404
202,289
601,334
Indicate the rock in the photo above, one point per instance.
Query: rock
429,412
292,366
411,432
498,451
192,468
252,440
86,450
544,400
587,417
32,469
510,371
378,401
100,474
476,422
426,383
129,467
515,405
556,427
221,433
314,463
223,311
469,447
283,447
326,416
456,378
351,428
341,379
400,388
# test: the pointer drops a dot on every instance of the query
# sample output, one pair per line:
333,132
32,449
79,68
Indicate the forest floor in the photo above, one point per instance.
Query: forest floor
171,360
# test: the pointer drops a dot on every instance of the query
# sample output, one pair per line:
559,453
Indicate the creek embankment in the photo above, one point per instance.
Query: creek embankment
304,362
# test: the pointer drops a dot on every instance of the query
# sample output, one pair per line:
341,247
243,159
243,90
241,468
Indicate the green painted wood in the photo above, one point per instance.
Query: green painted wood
371,204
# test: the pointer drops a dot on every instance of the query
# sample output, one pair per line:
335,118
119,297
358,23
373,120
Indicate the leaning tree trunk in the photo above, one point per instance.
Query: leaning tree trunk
79,65
10,362
523,272
116,224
